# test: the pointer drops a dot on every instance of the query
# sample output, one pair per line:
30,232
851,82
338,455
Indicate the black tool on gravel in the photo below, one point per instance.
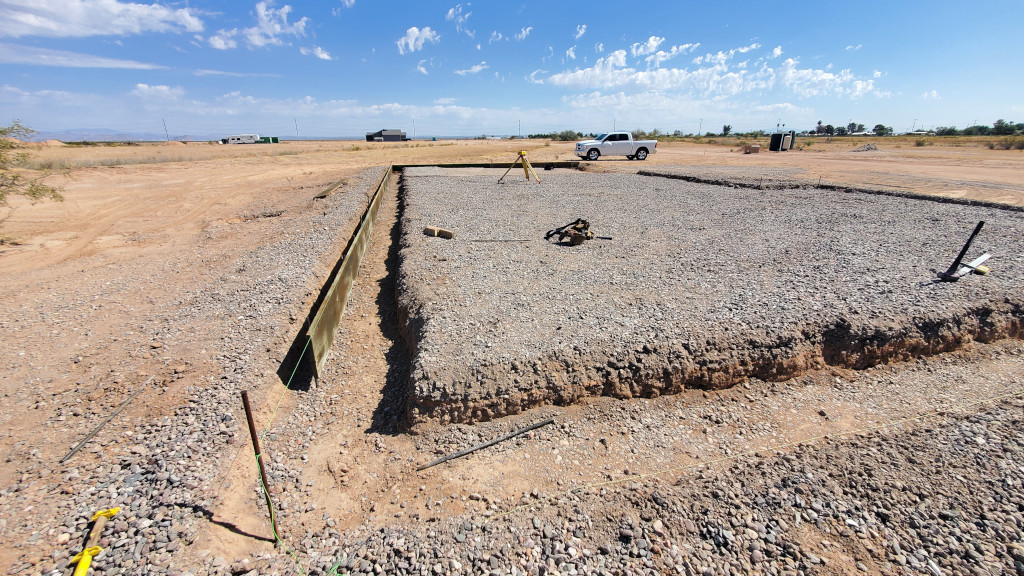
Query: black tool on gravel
953,273
577,232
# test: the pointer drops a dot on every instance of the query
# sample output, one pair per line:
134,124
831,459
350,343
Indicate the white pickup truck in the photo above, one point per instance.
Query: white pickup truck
615,144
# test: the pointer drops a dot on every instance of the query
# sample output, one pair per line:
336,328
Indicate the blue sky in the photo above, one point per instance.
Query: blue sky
341,68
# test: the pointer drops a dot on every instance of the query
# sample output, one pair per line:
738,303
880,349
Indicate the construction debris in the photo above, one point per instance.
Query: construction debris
438,232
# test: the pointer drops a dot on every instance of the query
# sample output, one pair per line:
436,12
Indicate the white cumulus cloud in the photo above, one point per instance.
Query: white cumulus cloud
524,33
224,39
473,69
147,92
272,24
316,51
930,95
456,15
776,52
570,54
660,56
647,47
81,18
415,38
580,31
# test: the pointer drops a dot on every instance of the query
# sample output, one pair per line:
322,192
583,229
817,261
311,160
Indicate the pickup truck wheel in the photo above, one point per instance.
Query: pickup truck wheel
593,154
641,154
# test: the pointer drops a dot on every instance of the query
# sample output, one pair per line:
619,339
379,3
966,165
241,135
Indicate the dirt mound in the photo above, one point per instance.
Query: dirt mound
52,144
865,148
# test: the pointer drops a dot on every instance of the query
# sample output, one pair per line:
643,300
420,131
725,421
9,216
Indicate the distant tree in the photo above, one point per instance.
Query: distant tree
976,130
947,131
841,131
1002,128
882,130
851,127
678,133
726,129
830,130
13,181
567,136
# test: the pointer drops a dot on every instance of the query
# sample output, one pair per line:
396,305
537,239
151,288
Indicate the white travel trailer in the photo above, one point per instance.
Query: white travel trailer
241,139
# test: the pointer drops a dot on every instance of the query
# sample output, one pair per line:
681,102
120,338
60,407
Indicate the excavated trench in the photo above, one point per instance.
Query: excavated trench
496,327
669,368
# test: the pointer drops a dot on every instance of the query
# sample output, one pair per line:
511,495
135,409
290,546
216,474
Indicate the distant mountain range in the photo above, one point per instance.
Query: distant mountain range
106,135
103,135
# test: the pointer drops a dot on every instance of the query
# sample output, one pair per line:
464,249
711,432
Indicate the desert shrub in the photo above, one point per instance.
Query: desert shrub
920,142
1008,143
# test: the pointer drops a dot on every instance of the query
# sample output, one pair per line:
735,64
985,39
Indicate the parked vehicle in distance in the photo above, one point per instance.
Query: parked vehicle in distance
241,139
616,144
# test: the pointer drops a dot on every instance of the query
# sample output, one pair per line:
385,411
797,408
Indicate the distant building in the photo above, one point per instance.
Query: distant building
241,139
386,136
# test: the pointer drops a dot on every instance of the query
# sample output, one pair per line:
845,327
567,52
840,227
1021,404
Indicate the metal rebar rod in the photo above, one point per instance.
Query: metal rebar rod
259,459
105,421
486,444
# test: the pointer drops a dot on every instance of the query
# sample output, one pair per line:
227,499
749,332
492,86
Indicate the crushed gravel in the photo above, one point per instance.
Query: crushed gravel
164,473
701,286
941,494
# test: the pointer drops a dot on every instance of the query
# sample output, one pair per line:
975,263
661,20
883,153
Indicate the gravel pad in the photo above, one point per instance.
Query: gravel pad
701,286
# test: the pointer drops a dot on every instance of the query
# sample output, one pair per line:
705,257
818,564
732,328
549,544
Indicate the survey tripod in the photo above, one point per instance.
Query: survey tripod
527,169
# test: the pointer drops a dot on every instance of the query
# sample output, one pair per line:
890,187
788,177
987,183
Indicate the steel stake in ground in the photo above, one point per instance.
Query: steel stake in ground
950,275
259,460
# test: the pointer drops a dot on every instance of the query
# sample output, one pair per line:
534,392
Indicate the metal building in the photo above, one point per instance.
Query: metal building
386,136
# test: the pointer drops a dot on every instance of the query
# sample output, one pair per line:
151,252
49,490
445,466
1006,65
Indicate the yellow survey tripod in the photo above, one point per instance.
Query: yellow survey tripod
527,169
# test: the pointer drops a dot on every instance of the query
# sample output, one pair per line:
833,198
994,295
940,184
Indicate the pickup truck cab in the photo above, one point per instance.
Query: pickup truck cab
615,144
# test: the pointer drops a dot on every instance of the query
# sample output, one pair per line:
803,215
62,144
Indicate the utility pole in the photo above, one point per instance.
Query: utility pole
914,125
166,135
520,127
699,126
296,128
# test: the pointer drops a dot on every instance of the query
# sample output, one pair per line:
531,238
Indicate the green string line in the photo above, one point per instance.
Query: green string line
273,521
266,490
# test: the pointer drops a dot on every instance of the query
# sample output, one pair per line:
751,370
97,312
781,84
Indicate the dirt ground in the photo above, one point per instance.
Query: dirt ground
75,339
